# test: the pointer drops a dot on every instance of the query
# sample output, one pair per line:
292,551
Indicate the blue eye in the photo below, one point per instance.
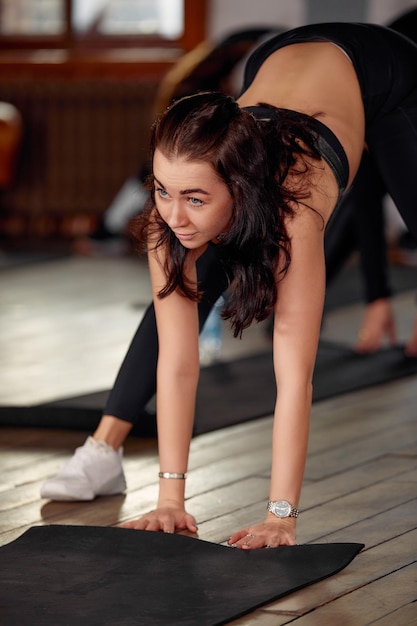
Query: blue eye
161,192
195,201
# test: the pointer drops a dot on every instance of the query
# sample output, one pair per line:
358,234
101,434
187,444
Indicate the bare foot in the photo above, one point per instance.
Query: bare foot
378,322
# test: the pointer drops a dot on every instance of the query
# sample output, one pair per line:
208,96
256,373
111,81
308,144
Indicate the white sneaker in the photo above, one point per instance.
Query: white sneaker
95,469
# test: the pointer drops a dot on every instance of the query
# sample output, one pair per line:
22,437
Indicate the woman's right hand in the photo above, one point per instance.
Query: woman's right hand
168,519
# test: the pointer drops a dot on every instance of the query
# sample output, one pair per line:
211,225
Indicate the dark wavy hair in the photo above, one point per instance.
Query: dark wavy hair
253,158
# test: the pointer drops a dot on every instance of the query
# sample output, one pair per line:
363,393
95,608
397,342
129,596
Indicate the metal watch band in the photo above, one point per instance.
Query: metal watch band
272,504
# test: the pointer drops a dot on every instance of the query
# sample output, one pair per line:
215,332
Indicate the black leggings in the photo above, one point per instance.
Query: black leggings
358,223
392,142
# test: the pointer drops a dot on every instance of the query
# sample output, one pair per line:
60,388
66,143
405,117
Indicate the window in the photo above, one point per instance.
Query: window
164,18
28,18
100,23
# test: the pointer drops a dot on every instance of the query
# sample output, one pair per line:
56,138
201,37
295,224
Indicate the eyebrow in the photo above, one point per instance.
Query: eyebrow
184,192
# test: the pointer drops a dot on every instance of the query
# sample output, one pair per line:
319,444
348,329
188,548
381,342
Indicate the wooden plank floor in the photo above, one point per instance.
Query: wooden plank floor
62,320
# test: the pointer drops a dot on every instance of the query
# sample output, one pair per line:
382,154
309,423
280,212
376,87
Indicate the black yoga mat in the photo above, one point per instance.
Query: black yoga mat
231,392
93,576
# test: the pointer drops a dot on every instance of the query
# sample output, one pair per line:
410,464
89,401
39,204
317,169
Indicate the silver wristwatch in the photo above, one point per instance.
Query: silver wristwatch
282,508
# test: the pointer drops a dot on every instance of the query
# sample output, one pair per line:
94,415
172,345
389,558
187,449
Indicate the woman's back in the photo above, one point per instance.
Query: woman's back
316,78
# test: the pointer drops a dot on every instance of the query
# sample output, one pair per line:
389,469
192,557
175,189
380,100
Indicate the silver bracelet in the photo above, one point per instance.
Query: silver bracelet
172,475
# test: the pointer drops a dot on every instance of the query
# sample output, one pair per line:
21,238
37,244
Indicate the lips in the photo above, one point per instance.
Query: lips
184,236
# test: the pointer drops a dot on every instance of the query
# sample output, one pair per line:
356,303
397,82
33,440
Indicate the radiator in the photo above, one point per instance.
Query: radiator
81,140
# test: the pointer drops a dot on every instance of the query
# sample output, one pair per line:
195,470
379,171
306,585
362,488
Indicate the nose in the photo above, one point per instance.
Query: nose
177,216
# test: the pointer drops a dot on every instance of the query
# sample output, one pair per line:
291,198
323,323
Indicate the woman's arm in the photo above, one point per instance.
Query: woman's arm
297,322
177,378
296,334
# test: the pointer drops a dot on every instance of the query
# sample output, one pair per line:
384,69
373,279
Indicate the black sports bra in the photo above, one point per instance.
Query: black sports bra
328,144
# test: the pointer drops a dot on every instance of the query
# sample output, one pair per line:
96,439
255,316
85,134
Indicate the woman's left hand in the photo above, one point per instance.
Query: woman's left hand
271,533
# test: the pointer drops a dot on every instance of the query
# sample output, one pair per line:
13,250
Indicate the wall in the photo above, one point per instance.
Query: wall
81,139
227,15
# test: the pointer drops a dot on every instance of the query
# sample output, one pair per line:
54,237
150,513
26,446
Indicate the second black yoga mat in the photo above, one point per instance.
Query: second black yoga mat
230,392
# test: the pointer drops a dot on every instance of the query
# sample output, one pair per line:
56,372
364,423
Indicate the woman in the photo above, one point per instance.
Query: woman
257,183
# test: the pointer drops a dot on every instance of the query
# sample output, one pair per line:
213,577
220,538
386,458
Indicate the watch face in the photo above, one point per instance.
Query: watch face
282,508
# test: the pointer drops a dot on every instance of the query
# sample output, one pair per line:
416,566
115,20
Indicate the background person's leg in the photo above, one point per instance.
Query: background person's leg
393,144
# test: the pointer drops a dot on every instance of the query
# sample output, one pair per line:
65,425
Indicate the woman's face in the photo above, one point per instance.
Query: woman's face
191,199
